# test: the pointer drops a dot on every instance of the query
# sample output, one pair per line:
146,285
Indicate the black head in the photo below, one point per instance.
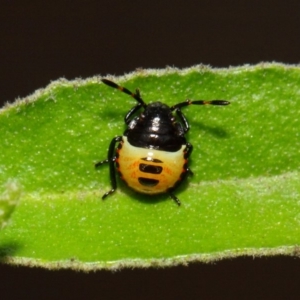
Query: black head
158,109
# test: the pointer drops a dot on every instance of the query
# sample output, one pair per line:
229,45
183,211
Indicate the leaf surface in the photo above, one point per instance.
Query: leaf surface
242,200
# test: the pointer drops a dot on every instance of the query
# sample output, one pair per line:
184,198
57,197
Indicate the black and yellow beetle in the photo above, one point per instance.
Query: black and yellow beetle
152,155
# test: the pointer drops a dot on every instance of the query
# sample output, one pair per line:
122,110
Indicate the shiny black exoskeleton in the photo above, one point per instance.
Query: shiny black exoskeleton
154,128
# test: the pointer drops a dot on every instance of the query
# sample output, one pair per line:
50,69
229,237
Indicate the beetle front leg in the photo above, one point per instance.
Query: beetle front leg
128,116
111,158
183,119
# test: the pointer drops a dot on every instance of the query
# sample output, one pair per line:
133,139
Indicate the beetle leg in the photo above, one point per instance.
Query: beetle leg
190,172
183,119
128,116
111,158
187,152
100,163
173,197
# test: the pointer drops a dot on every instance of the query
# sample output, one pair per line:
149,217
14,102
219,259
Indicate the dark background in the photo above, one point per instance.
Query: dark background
41,41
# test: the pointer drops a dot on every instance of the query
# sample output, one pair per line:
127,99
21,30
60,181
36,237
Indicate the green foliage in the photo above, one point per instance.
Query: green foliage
9,198
243,198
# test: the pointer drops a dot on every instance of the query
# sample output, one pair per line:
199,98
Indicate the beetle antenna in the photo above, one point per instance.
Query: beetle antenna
136,95
199,102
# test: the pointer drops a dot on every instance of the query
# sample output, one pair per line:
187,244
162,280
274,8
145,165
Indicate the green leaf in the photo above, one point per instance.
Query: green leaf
9,198
242,200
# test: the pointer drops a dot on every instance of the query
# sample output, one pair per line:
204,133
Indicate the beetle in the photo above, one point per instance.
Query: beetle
152,155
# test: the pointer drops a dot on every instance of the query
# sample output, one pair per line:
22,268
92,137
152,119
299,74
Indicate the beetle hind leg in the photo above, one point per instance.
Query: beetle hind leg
108,193
111,158
189,171
174,198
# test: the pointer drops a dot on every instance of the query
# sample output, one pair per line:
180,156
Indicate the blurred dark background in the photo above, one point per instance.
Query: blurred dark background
42,41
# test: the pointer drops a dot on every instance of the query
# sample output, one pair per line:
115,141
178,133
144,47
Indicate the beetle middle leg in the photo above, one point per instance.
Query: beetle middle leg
111,158
187,152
